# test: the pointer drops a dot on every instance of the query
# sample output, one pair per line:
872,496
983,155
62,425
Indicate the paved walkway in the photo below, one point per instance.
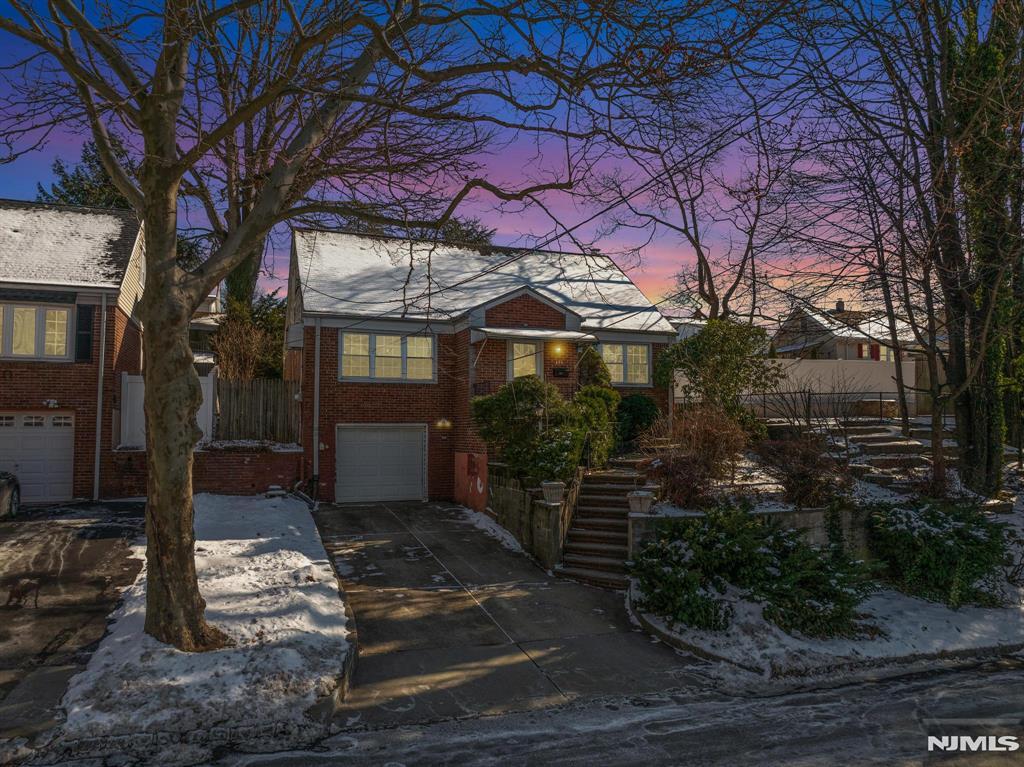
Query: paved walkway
451,624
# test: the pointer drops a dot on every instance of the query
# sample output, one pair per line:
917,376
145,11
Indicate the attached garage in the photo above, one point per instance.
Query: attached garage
39,449
381,462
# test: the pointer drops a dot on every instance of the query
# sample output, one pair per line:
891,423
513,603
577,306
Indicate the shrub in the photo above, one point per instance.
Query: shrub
591,370
698,448
595,407
683,574
808,475
942,551
636,414
712,436
685,480
718,365
541,435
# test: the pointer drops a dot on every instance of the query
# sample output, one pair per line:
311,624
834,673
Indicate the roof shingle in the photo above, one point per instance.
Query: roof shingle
47,244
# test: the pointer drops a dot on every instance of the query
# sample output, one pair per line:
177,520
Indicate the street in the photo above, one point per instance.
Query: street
884,723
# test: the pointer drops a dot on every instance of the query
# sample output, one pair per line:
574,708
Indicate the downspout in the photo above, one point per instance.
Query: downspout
99,398
316,412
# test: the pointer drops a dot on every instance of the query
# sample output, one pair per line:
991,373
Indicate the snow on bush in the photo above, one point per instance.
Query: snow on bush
268,583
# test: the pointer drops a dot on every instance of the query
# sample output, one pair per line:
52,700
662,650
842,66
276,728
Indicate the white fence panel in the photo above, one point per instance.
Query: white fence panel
133,417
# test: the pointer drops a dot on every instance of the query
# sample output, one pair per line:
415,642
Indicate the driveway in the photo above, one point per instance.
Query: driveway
451,624
80,557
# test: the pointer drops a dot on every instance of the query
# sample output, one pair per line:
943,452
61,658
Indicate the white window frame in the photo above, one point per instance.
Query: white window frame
625,363
538,357
404,379
7,337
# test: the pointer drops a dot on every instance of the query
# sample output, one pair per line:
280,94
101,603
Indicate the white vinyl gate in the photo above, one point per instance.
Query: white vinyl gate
381,462
39,449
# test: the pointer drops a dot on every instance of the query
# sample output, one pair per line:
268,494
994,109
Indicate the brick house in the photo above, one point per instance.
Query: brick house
70,281
392,339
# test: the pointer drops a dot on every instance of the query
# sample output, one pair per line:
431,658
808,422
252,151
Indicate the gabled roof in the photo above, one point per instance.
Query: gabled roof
357,275
65,245
852,325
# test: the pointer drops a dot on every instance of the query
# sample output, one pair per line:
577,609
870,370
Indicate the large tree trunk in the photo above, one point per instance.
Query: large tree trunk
174,606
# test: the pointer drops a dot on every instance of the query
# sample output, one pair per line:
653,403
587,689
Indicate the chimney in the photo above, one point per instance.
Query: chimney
840,306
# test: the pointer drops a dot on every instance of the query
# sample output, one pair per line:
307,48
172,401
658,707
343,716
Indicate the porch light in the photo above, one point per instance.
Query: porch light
558,350
443,423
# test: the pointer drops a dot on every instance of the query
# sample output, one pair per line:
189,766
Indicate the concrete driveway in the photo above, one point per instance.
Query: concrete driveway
452,624
80,557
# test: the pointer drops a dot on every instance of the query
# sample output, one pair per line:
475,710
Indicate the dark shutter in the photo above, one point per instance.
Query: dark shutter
83,333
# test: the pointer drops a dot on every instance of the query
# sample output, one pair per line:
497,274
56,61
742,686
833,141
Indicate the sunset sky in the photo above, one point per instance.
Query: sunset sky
654,274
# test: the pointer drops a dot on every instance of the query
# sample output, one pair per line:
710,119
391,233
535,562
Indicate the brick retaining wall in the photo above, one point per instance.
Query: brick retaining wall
229,472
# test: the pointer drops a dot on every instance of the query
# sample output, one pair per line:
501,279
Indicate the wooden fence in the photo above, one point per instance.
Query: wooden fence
264,408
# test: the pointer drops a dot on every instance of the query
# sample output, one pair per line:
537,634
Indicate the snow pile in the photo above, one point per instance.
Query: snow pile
269,585
901,629
492,528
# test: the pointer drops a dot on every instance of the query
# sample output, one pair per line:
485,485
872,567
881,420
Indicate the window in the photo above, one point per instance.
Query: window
524,359
37,332
62,421
34,421
386,357
420,358
628,364
6,421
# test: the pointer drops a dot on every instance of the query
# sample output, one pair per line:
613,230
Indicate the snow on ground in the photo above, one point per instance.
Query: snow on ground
269,585
910,629
492,528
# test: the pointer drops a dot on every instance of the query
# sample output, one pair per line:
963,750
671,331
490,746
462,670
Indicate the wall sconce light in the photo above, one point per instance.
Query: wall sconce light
50,403
558,350
443,423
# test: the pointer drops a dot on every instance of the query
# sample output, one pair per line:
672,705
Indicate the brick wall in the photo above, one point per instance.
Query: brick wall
525,311
372,402
25,385
460,366
230,472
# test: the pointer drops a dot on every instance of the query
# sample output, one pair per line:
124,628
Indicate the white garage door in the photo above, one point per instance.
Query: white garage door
39,449
381,462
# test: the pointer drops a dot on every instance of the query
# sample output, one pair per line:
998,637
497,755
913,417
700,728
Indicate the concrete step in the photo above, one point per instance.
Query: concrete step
909,460
612,524
590,549
606,488
918,433
633,464
894,447
859,431
603,563
605,537
587,498
871,439
600,578
613,512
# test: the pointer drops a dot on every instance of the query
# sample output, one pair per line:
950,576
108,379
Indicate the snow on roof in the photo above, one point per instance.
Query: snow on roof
873,328
49,244
352,274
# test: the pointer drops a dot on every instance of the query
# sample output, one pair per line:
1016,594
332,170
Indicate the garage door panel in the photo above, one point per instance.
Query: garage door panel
380,462
39,449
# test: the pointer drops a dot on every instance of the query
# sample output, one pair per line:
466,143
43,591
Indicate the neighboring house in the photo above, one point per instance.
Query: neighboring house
838,334
392,339
204,324
70,280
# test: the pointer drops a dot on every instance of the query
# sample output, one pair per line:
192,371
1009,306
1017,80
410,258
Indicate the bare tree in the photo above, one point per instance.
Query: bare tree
262,112
916,89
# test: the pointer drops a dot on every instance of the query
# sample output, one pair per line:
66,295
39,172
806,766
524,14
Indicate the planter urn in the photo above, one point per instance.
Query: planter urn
640,501
553,491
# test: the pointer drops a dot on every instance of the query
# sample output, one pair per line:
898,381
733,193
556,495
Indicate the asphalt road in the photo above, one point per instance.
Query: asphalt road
77,559
882,723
